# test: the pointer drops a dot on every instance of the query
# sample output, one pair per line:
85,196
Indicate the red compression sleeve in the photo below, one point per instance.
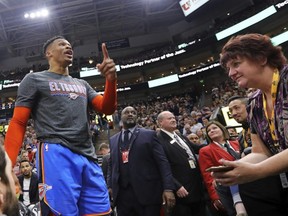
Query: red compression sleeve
108,102
16,130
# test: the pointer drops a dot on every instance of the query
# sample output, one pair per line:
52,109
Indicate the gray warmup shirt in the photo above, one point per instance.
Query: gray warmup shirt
59,109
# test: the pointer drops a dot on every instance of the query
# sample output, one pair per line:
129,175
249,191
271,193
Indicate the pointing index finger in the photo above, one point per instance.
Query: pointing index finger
105,51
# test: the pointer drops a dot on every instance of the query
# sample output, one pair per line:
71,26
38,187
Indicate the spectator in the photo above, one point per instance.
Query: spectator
29,184
195,125
94,131
24,155
139,174
182,157
232,133
103,149
254,62
253,193
202,136
237,108
220,147
193,138
187,129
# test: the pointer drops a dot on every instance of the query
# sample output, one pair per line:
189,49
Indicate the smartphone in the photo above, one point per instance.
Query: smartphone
219,169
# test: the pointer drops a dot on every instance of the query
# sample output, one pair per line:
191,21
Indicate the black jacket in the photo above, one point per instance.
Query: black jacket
182,173
33,189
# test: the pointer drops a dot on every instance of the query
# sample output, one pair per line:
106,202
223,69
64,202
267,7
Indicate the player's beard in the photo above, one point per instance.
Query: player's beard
10,206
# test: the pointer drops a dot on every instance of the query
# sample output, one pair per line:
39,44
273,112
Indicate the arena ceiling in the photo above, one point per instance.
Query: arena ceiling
102,20
105,20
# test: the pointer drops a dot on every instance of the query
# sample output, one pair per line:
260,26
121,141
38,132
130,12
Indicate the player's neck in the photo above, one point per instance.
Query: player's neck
59,70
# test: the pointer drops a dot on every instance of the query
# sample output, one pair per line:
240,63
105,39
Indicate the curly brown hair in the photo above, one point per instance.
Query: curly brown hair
254,47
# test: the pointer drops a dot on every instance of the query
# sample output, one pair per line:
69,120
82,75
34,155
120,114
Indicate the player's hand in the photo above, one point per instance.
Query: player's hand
107,67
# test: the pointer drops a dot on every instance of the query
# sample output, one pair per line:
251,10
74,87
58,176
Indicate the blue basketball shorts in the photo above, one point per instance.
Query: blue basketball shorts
71,185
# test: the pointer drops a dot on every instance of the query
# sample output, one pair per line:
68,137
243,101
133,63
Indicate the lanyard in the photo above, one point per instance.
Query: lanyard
271,122
275,81
244,134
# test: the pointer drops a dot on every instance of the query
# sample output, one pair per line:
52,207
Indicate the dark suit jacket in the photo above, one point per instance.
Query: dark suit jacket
209,156
182,173
149,169
33,189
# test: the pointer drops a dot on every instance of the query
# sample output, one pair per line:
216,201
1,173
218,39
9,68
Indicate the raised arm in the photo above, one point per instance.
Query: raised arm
108,102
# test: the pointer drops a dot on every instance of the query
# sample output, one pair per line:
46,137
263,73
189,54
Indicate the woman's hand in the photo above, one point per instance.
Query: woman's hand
242,172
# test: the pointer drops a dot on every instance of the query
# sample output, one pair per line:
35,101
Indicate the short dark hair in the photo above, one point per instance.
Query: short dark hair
49,41
23,161
244,100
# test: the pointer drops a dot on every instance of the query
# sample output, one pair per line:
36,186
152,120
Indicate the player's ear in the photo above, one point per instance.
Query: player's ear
48,54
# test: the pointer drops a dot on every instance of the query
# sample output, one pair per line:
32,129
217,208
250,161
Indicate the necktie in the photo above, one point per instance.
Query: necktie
231,151
183,145
125,140
126,137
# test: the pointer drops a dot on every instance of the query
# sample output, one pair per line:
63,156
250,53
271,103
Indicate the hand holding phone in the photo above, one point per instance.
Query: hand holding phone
219,169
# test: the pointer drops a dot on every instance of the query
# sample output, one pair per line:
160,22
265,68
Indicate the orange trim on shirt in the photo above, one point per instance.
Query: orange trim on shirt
107,103
16,131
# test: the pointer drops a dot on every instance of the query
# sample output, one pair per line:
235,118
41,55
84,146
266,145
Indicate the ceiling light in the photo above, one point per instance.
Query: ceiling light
44,12
38,13
32,15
